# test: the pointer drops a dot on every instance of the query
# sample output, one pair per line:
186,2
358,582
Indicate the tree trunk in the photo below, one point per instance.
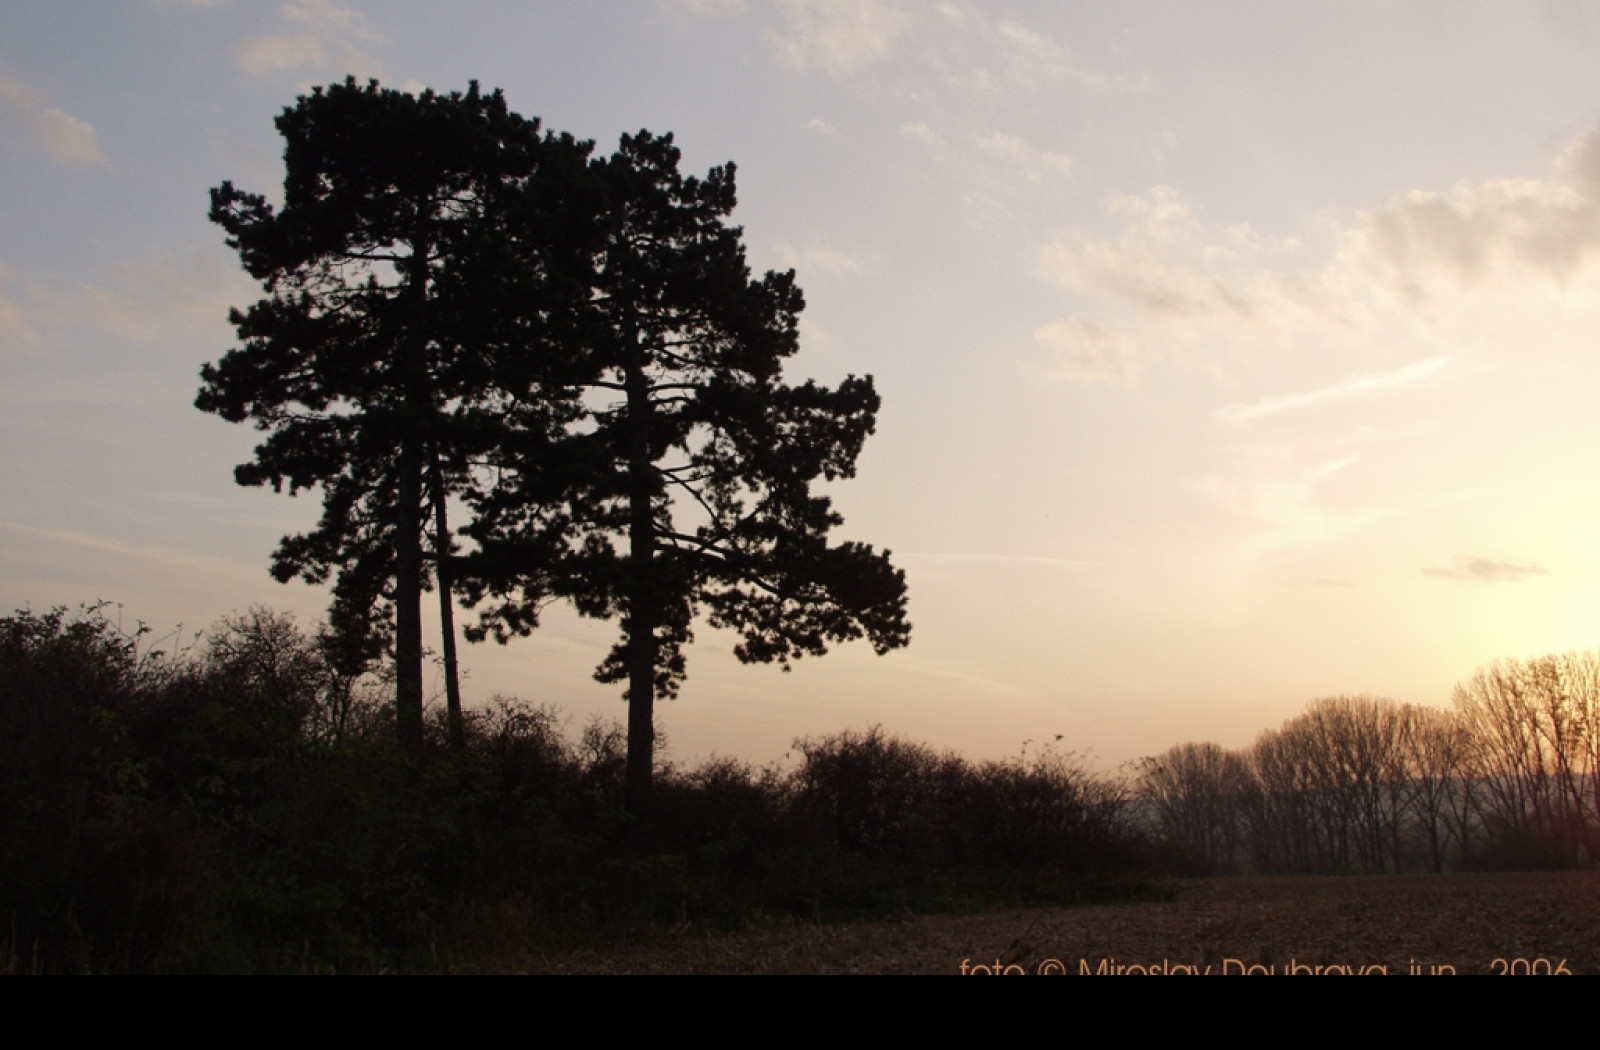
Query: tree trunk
641,610
408,600
408,511
447,620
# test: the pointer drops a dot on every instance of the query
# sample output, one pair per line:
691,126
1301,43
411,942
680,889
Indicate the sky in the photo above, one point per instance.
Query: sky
1231,355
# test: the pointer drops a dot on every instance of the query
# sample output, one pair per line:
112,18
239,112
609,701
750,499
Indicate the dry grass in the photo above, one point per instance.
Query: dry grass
1464,921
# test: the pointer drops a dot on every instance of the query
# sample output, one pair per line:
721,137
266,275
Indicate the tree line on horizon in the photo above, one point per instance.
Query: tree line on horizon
1507,777
240,802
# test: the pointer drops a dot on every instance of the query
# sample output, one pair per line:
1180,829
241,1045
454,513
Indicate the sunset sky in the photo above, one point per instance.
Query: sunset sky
1231,355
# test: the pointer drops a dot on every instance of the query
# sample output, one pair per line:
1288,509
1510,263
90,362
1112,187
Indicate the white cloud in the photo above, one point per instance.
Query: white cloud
1035,164
1410,260
916,129
1086,351
67,139
1411,373
1162,261
16,335
837,35
978,56
1406,264
817,258
280,53
820,126
1033,59
322,34
1169,267
1496,234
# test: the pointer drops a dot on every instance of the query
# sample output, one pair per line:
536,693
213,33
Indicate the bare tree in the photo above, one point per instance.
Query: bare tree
1196,793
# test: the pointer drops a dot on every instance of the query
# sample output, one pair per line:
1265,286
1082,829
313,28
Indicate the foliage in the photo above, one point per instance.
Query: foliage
459,307
692,464
403,307
240,805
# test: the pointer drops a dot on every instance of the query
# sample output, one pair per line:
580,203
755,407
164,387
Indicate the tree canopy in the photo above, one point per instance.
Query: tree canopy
693,460
460,307
387,339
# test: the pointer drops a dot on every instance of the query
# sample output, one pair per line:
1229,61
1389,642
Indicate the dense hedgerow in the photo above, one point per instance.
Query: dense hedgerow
240,804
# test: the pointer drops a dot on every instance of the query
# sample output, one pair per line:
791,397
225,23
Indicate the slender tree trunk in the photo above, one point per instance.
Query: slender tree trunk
408,600
447,619
408,512
641,611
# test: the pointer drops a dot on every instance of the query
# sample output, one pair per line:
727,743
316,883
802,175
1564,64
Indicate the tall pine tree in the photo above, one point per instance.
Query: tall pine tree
412,295
687,482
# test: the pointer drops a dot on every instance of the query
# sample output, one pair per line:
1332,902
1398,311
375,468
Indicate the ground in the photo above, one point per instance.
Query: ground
1490,923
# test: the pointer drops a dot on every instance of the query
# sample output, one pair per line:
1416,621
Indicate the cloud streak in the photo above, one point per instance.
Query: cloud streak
1269,406
1486,570
167,556
996,559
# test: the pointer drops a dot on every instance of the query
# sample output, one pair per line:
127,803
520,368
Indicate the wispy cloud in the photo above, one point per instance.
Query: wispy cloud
319,34
154,300
1486,570
16,334
916,129
1166,264
946,669
1087,351
823,259
1412,373
1502,230
65,138
1036,165
1280,494
837,35
1033,59
178,559
987,58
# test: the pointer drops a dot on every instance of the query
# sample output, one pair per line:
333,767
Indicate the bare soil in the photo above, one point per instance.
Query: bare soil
1409,924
